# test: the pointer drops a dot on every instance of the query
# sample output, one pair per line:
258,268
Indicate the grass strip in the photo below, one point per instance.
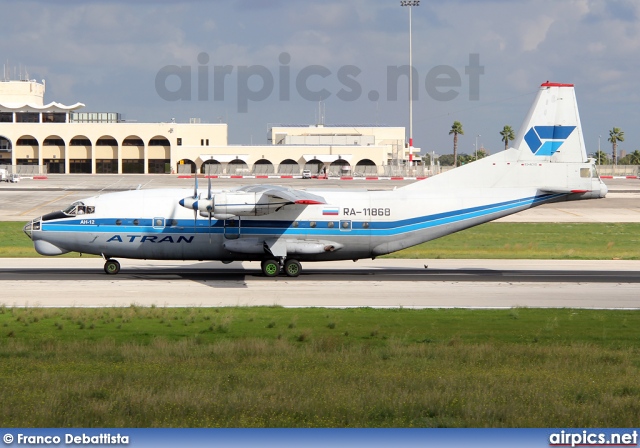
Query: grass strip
276,367
553,241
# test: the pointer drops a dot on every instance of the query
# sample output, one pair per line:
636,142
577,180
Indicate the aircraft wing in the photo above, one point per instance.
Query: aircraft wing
286,193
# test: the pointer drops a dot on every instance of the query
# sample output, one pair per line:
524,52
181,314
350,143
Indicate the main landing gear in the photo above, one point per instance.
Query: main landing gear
272,268
111,267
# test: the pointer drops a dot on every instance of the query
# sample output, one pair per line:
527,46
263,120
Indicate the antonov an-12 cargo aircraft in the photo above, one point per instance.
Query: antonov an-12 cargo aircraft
280,226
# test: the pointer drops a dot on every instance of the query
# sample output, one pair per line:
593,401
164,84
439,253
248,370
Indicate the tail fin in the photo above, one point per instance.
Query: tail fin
552,132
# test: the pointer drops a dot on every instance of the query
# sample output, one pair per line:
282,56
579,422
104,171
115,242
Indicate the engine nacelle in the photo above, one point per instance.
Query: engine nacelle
242,204
229,204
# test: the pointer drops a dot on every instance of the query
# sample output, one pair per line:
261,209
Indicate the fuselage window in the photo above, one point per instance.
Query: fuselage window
118,222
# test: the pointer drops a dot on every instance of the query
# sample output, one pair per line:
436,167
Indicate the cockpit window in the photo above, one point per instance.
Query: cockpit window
78,208
71,210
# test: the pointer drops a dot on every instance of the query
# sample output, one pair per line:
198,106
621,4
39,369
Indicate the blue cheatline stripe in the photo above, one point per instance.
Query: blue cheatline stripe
274,227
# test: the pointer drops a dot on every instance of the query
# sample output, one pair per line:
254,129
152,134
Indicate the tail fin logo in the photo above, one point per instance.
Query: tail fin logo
546,140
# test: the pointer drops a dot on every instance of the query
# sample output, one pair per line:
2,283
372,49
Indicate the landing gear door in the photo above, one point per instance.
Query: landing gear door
232,228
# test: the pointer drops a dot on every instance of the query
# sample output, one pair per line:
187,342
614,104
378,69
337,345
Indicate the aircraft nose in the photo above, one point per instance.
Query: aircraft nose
27,229
30,227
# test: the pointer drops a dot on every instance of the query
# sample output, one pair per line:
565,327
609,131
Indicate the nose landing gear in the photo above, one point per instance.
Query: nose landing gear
111,267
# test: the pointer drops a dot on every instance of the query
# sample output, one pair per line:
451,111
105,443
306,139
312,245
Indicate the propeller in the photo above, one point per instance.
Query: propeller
197,205
196,196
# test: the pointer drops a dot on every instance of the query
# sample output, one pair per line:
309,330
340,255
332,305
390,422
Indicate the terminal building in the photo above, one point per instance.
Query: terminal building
41,138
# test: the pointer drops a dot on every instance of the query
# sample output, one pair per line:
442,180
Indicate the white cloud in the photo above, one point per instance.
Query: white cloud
86,47
534,32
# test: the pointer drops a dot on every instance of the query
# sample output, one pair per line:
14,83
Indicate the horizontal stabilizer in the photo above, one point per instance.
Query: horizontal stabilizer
583,193
561,190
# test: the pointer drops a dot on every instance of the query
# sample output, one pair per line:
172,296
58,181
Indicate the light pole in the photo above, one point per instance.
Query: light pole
477,145
598,158
410,4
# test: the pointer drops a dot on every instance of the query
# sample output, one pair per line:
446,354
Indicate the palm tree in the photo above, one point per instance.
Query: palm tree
507,136
456,129
615,135
601,158
482,153
634,157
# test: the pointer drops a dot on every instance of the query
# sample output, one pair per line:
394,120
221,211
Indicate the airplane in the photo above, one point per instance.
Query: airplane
281,226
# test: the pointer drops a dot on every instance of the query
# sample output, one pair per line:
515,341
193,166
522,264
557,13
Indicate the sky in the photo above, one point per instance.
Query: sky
252,63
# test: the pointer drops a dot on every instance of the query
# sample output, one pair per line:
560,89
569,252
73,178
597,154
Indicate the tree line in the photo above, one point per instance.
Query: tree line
508,135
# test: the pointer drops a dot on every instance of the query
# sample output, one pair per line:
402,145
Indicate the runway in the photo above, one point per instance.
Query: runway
379,283
609,284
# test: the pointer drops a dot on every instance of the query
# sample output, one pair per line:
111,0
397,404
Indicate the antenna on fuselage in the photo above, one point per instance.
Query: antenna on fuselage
209,199
195,198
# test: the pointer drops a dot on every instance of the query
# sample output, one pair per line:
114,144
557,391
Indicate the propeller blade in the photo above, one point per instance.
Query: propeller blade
195,219
195,186
209,198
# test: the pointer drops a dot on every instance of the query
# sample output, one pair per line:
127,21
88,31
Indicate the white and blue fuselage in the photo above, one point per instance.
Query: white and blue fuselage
547,163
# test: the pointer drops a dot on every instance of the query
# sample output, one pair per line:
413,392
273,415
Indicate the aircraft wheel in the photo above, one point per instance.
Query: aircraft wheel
270,268
292,268
112,267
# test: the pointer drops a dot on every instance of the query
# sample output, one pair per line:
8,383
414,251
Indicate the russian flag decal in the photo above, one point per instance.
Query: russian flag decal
331,211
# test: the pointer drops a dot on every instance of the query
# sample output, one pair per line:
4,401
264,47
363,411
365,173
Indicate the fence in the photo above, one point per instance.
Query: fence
331,171
25,170
618,170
